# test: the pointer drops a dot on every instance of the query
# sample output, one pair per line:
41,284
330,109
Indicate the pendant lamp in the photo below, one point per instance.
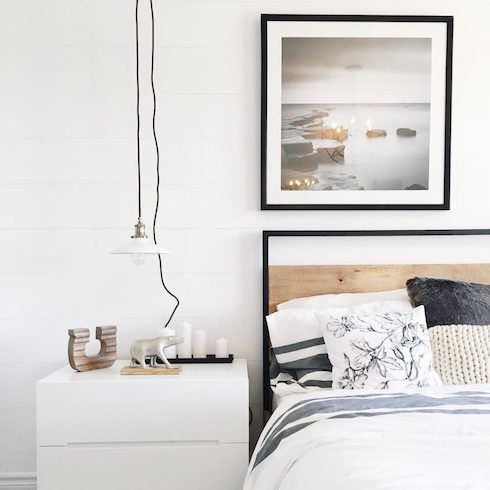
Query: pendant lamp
139,246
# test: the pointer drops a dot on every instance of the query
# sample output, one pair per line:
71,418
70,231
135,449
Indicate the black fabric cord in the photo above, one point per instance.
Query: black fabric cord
138,107
177,302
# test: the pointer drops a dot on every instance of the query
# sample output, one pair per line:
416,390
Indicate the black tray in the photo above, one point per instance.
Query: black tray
209,359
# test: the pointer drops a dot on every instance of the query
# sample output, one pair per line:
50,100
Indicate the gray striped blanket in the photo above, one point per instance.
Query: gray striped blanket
321,420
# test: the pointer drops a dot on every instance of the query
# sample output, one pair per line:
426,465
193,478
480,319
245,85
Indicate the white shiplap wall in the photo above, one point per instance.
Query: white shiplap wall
67,179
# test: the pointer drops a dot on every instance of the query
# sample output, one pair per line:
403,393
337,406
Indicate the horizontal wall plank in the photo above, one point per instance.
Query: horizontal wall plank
111,114
127,295
111,69
17,462
18,379
113,161
18,429
76,22
68,115
68,69
210,116
207,70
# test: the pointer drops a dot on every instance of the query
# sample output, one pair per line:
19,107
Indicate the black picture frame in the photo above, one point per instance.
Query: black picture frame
448,20
267,234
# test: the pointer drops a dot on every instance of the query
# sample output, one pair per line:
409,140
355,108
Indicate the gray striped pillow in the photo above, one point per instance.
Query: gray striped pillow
299,354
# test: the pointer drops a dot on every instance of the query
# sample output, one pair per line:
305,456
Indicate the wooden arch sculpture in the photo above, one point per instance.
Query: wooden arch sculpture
79,338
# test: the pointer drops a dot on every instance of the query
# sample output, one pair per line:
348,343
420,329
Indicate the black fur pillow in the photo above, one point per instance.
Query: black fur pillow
450,302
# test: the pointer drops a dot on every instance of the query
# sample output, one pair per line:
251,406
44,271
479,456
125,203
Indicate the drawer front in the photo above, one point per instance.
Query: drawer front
213,467
194,410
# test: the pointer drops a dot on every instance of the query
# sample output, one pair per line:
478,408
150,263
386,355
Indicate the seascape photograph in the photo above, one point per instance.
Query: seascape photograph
355,114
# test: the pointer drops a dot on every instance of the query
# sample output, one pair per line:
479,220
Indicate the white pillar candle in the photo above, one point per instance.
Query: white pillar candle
199,344
222,349
184,350
170,352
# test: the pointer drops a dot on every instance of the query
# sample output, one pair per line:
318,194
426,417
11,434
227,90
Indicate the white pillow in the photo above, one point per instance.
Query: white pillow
325,301
300,354
389,350
298,350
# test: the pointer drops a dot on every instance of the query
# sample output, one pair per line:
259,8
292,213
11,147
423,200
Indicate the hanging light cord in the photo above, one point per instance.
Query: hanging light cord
177,302
138,109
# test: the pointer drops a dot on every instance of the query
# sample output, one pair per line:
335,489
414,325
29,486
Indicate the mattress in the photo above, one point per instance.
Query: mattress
423,438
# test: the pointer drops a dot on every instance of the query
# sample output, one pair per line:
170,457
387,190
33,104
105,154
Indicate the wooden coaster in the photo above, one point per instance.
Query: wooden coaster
136,370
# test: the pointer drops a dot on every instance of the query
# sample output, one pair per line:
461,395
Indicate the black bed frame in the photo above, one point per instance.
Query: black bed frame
267,393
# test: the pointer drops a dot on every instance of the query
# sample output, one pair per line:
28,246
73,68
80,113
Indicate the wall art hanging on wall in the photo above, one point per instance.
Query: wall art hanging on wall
356,112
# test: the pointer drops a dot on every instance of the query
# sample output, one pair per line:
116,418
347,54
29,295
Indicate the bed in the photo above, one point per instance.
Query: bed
426,439
437,437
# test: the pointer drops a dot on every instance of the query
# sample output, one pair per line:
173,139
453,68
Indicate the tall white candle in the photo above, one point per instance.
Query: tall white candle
222,350
199,344
170,352
184,350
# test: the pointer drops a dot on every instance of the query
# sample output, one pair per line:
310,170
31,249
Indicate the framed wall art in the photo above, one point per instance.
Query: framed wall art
356,112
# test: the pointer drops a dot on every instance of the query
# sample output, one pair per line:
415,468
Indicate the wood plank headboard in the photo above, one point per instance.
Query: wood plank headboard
284,282
296,281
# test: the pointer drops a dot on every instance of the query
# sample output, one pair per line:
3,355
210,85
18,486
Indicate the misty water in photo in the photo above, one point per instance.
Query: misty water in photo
384,162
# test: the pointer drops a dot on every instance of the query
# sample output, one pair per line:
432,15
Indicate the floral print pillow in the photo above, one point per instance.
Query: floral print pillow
380,351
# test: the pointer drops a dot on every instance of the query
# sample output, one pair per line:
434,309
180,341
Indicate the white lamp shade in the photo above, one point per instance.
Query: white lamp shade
140,246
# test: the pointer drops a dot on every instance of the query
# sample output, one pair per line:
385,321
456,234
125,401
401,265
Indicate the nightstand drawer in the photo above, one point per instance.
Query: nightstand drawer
146,410
134,466
100,429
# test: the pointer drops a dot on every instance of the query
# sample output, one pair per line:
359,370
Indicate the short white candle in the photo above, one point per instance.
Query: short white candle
222,350
170,352
184,350
199,344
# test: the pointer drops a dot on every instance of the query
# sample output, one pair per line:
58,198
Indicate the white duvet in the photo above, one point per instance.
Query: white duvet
432,438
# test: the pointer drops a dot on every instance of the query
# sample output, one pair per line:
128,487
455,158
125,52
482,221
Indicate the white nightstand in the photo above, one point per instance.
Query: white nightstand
102,430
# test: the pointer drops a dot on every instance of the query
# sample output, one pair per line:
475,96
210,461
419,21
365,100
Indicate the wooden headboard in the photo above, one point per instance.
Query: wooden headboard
296,281
284,282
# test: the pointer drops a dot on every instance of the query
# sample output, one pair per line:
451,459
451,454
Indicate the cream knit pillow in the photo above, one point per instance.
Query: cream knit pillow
461,353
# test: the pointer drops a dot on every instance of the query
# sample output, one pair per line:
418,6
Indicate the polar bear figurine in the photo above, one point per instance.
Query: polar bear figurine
152,348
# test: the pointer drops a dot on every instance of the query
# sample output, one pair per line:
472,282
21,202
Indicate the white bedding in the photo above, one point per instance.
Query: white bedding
435,438
279,397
